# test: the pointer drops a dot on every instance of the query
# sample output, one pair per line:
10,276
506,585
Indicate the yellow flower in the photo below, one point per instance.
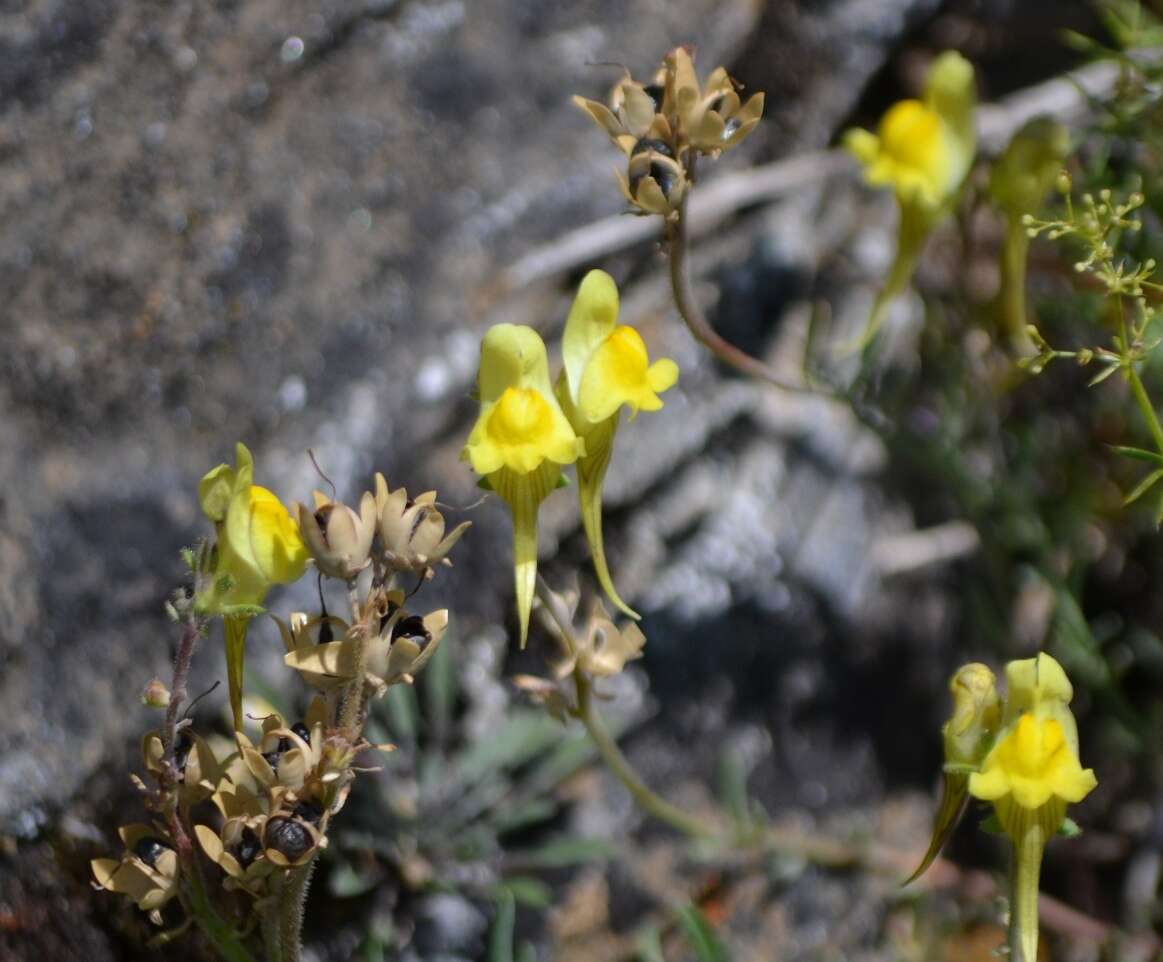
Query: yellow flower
967,736
606,367
259,545
520,441
923,149
1030,775
1036,766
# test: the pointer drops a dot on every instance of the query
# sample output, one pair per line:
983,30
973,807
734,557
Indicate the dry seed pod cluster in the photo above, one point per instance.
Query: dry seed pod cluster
660,125
272,798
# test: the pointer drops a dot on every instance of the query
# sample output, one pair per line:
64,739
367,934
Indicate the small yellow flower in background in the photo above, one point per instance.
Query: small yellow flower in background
606,367
259,545
1019,182
1030,774
967,736
923,149
520,441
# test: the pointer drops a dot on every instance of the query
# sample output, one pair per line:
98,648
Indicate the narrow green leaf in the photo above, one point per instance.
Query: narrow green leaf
440,687
501,933
532,812
1144,486
1069,828
731,785
403,712
648,945
1139,454
565,852
530,891
524,735
702,937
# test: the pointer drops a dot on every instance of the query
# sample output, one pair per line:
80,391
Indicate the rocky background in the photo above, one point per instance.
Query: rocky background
289,222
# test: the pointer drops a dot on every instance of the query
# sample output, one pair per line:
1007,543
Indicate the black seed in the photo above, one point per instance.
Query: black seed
392,609
652,144
150,849
288,836
326,632
730,127
308,811
249,848
410,627
182,747
272,758
664,175
302,731
657,92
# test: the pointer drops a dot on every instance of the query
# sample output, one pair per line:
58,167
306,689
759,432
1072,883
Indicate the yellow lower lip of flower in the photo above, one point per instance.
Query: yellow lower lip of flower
521,431
1034,763
620,372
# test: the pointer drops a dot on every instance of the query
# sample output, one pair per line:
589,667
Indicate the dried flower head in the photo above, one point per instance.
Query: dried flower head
412,531
655,181
338,538
403,645
714,118
147,872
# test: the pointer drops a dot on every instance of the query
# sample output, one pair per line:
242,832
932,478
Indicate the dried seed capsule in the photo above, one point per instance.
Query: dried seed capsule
150,849
249,848
288,836
410,627
308,811
652,144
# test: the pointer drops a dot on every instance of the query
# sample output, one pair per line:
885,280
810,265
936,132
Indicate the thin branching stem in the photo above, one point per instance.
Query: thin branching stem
191,629
696,321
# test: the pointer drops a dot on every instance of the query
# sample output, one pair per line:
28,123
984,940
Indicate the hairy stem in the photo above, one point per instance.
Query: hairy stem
349,720
291,901
191,628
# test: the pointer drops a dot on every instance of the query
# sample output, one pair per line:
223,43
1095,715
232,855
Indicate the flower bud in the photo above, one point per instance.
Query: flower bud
155,694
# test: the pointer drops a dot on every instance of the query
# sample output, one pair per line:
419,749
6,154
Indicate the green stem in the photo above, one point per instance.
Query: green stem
1145,406
696,321
221,935
611,754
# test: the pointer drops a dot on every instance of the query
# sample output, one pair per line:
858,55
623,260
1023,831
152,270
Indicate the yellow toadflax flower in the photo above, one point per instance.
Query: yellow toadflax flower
606,367
967,735
520,441
1031,774
923,149
258,546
